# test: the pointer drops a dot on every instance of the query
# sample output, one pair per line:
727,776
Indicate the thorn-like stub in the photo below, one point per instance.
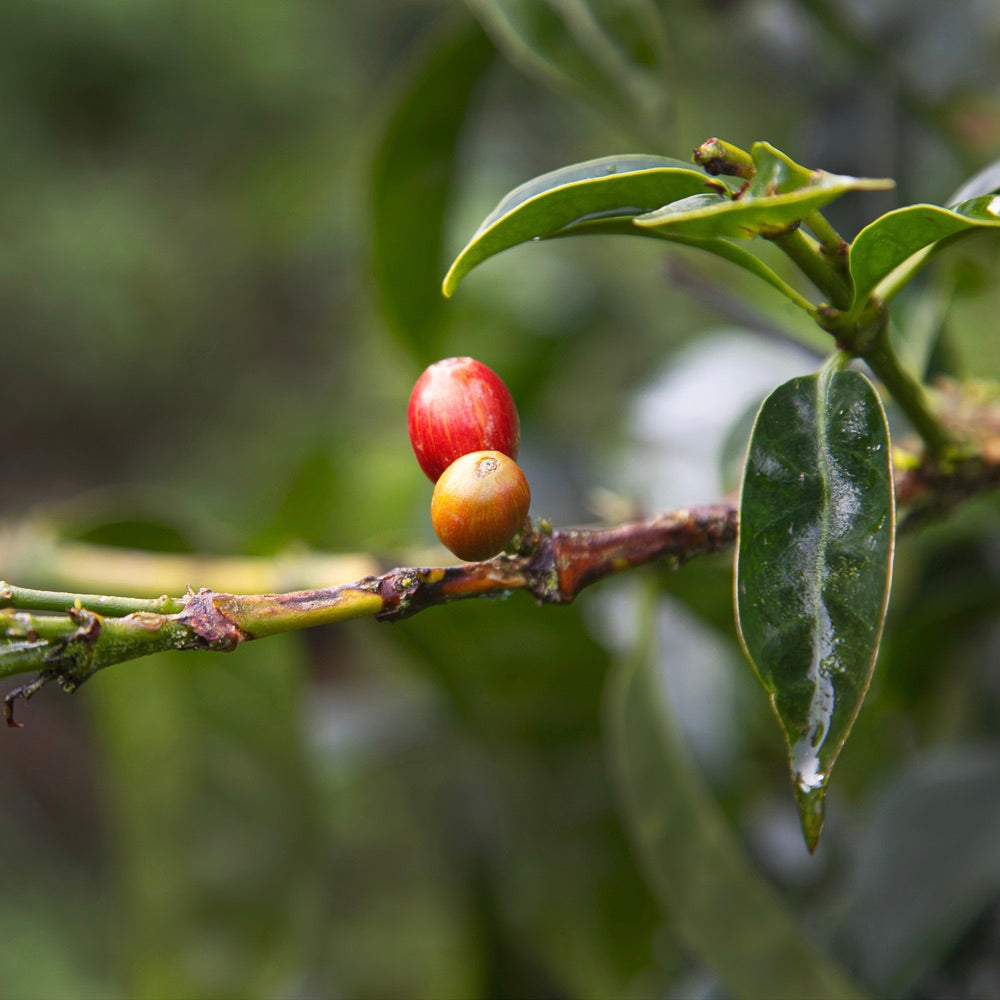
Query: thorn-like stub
24,692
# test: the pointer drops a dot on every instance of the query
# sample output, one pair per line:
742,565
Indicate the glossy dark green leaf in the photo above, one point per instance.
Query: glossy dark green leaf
814,563
780,194
411,178
607,189
612,55
895,238
719,904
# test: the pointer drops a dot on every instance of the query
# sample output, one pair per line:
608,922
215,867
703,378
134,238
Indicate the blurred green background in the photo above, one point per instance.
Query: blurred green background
222,230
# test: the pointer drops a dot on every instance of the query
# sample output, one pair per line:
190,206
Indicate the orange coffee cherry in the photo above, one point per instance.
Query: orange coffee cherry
480,502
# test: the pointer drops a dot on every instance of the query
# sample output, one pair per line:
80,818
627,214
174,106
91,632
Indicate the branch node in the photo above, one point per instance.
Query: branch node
210,627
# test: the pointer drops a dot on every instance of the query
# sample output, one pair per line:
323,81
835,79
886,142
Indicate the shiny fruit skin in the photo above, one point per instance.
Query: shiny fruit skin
458,406
479,503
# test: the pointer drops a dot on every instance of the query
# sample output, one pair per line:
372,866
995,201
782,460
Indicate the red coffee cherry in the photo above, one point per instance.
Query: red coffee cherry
458,406
479,503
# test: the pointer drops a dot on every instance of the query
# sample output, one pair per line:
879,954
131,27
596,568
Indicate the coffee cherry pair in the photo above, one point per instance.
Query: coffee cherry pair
465,433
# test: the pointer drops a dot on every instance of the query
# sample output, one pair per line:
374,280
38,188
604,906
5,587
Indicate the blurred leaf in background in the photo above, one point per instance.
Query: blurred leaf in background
413,175
210,327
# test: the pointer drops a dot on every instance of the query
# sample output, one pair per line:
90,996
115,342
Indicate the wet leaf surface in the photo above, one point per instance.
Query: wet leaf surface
814,564
411,180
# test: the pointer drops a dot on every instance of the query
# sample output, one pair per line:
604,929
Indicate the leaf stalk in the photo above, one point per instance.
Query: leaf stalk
807,255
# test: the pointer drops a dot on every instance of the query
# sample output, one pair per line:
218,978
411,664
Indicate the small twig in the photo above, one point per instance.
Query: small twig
553,566
831,243
49,600
68,638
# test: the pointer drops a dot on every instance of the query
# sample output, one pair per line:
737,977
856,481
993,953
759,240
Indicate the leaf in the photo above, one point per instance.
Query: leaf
892,239
604,197
610,54
555,204
780,194
724,911
214,813
411,178
813,565
927,868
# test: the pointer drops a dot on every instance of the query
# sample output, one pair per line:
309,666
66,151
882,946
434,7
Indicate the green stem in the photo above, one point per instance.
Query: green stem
27,629
114,607
834,245
73,648
805,252
833,364
908,393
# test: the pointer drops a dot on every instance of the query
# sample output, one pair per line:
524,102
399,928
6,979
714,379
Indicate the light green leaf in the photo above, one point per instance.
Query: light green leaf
780,194
813,565
410,180
896,238
720,906
214,813
611,54
565,200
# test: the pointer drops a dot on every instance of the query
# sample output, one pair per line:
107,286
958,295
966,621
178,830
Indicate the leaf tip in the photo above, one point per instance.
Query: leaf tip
812,812
450,283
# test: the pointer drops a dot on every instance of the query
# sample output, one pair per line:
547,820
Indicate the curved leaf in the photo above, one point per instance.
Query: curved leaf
612,55
724,911
235,765
893,238
411,177
813,565
607,188
780,194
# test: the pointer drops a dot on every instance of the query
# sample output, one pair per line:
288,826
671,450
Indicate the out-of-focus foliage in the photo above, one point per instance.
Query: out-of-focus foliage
198,359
